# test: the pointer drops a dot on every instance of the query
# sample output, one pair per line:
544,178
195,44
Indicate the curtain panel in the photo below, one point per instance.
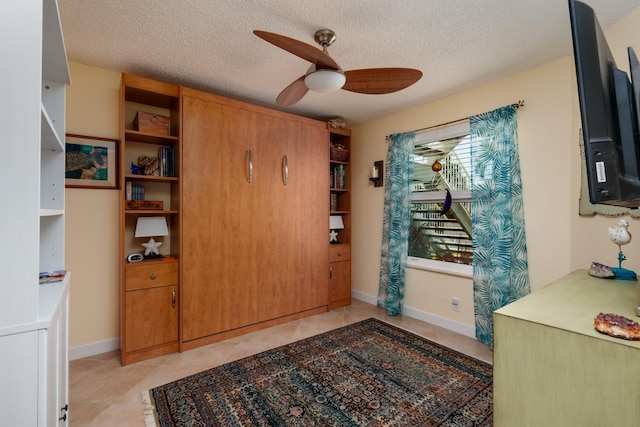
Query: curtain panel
500,266
398,177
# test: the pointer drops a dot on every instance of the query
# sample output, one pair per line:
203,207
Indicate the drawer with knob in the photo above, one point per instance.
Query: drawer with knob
151,274
339,253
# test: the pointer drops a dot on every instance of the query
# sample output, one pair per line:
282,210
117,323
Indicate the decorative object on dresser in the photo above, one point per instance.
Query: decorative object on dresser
151,227
368,373
91,162
620,236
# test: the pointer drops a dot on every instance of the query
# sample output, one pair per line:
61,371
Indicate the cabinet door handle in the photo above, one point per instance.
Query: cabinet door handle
173,299
285,170
331,272
249,166
63,412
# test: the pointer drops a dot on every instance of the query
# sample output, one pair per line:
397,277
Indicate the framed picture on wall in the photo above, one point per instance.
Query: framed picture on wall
91,162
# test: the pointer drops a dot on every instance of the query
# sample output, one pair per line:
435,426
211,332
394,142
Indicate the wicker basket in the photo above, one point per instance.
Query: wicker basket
339,153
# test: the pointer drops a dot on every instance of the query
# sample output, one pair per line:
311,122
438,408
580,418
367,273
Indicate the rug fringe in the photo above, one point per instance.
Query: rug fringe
150,418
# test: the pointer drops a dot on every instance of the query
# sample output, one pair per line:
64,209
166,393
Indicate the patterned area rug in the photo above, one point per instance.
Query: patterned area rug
366,374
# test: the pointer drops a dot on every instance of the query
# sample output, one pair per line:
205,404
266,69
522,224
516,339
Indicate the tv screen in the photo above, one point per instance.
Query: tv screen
608,112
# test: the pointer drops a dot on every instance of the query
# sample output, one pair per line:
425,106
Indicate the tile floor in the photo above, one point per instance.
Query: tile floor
104,393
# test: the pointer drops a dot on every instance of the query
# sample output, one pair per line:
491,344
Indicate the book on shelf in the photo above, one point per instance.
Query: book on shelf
137,192
166,156
333,202
338,177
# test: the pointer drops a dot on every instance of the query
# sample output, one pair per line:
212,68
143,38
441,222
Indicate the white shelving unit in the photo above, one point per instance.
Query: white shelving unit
33,317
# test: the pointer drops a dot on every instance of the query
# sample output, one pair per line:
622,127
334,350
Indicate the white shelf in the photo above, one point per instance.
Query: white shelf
51,212
54,53
48,134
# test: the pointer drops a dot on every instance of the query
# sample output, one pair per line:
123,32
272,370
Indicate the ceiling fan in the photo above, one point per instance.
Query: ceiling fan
325,75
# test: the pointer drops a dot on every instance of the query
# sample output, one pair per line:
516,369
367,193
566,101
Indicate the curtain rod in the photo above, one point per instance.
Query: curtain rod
515,105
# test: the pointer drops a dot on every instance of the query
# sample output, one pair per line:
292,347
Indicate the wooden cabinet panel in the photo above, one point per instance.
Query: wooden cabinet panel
220,176
151,317
301,223
339,284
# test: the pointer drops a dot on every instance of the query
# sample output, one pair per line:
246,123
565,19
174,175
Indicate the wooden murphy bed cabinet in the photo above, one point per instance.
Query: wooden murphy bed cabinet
247,214
254,217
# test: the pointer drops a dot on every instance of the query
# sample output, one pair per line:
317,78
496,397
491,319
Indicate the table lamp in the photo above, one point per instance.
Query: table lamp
150,227
335,223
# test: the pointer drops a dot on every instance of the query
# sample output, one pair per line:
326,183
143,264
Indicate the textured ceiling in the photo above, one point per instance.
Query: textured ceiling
209,44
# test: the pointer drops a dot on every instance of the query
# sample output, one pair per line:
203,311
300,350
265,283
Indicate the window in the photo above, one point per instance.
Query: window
442,161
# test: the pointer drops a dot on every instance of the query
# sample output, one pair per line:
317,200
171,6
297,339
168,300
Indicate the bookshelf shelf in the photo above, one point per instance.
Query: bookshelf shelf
136,136
151,212
154,178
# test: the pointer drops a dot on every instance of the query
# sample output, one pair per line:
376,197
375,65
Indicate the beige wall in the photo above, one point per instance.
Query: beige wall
558,240
545,149
92,218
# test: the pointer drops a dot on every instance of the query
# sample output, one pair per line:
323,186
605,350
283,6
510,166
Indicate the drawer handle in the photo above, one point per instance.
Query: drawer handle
339,253
154,277
173,299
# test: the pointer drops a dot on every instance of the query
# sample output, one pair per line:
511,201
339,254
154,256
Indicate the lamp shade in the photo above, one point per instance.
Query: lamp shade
325,80
151,226
335,222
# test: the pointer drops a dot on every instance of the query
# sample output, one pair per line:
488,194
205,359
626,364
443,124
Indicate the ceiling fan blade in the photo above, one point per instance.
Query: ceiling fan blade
292,93
376,81
298,48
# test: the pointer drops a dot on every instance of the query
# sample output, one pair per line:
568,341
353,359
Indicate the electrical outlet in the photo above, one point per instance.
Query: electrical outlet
455,304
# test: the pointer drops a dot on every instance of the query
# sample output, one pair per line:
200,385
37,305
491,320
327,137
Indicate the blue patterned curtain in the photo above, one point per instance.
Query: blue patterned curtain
500,268
398,177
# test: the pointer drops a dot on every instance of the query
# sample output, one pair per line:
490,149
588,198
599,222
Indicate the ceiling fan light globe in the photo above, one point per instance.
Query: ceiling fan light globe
325,81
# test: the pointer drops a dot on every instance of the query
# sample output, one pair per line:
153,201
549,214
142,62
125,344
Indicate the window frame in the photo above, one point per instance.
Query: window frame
446,131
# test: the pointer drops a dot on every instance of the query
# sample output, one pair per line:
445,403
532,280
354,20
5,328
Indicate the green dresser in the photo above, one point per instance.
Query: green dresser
552,368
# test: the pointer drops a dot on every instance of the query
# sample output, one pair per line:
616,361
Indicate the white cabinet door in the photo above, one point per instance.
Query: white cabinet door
19,384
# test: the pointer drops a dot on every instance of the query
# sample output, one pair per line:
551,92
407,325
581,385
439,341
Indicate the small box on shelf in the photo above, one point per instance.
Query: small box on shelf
154,124
339,152
144,204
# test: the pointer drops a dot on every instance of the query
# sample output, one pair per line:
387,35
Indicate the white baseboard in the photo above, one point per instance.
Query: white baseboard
91,349
424,316
99,347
